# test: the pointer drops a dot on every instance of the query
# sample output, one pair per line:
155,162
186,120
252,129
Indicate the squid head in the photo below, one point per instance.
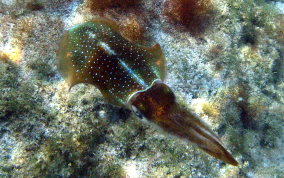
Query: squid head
158,105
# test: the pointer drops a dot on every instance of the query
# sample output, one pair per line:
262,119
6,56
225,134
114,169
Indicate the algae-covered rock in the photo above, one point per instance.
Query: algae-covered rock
230,74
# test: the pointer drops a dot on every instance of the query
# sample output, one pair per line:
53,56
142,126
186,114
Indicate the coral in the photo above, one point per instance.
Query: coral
193,14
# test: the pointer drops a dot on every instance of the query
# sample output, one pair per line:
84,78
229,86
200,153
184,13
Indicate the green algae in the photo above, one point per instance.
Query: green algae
42,69
17,101
16,97
259,128
60,158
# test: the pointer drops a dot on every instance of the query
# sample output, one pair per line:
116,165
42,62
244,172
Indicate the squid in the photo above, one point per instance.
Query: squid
131,75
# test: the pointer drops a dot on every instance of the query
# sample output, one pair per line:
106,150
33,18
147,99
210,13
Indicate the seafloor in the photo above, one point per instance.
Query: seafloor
229,69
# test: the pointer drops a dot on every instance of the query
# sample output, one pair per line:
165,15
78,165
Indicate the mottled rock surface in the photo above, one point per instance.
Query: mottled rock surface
231,74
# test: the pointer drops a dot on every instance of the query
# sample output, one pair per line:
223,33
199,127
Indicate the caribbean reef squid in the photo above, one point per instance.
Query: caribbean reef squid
128,74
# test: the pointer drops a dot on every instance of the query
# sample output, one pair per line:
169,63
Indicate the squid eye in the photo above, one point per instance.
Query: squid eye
137,112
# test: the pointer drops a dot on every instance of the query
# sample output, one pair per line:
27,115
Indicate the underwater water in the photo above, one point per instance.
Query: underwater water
220,61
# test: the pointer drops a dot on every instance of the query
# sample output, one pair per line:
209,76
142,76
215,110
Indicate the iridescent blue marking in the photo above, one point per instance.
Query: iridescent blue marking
133,74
